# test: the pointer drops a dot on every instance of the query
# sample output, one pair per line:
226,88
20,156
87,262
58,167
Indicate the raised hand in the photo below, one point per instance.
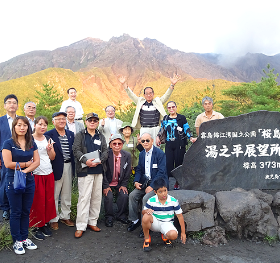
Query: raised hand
121,79
175,79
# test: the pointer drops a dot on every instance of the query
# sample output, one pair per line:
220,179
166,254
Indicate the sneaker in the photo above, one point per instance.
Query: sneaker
38,234
176,186
46,231
166,241
18,248
147,244
27,243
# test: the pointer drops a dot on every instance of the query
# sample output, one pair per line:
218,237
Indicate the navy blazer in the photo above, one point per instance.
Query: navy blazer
158,167
125,169
58,162
5,132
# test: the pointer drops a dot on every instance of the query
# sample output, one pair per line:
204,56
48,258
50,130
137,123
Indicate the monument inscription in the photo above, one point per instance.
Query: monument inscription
242,151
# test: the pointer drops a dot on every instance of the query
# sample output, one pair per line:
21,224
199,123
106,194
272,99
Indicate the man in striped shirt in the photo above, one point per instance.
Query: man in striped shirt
158,215
63,168
149,111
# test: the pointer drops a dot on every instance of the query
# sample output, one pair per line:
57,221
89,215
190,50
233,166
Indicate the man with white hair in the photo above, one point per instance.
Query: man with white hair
71,123
151,165
30,112
208,115
110,125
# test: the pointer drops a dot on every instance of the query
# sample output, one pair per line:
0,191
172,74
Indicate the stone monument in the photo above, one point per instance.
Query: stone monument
241,151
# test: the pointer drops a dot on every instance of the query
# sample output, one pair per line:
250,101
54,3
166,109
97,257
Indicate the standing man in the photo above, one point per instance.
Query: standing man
149,110
30,112
90,174
71,123
110,125
151,165
72,93
11,106
208,115
63,168
116,180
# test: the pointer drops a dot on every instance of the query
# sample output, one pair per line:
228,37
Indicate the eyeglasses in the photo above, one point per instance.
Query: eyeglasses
30,107
117,143
149,94
143,141
60,119
110,111
92,120
171,107
11,102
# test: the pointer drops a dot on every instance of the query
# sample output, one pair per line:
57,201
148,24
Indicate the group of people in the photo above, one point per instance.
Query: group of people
102,154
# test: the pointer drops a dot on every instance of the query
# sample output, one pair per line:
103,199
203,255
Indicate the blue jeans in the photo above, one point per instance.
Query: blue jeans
20,205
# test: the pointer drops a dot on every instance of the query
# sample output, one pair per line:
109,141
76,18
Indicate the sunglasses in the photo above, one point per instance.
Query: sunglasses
143,141
92,120
171,107
117,143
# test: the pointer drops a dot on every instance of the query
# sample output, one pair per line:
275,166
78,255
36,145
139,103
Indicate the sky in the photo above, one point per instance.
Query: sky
205,26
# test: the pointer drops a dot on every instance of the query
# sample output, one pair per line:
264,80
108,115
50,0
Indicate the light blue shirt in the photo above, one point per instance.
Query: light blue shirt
148,159
113,126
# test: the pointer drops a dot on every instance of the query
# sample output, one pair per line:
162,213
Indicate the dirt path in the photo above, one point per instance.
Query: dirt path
117,245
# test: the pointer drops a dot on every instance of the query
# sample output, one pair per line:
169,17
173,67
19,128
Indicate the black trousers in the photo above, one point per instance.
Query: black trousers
174,152
122,203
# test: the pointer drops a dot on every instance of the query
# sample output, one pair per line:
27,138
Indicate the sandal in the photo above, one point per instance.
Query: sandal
166,241
147,244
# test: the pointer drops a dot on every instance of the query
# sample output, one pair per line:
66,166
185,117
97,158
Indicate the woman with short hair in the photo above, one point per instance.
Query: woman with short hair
177,131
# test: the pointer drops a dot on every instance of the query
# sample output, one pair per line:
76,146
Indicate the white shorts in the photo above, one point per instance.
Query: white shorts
162,227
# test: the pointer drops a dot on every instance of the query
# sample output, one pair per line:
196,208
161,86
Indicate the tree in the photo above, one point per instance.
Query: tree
48,102
253,96
196,107
125,114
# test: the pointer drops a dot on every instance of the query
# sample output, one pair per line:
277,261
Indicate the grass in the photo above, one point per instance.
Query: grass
270,240
6,240
74,199
196,235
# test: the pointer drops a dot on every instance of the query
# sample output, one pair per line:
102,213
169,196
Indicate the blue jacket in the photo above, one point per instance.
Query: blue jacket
158,167
58,162
5,132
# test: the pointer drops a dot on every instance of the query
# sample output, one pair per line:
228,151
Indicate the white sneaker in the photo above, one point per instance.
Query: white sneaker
18,248
27,243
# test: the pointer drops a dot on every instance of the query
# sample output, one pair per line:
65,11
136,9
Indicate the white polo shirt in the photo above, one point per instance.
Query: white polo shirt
77,105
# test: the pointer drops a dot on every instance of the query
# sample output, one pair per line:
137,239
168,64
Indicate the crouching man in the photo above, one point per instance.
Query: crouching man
158,216
116,180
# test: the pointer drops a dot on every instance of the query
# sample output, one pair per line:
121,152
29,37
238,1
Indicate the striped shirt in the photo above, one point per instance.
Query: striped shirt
65,147
149,115
164,212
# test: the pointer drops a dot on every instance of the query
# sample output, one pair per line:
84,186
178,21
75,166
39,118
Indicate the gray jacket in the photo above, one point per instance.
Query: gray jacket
79,149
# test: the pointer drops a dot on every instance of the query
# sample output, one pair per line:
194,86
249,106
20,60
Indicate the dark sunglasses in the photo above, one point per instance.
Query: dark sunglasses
171,107
148,140
117,143
92,120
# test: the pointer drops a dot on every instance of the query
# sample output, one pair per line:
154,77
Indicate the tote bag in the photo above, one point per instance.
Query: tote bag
19,180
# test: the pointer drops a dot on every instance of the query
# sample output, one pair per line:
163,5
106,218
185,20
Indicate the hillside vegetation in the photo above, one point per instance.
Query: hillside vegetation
98,88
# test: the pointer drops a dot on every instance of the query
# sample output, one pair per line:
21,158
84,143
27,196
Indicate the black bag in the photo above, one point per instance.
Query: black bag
162,132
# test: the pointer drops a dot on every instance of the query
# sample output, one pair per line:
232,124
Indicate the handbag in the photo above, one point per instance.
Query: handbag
19,180
162,133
